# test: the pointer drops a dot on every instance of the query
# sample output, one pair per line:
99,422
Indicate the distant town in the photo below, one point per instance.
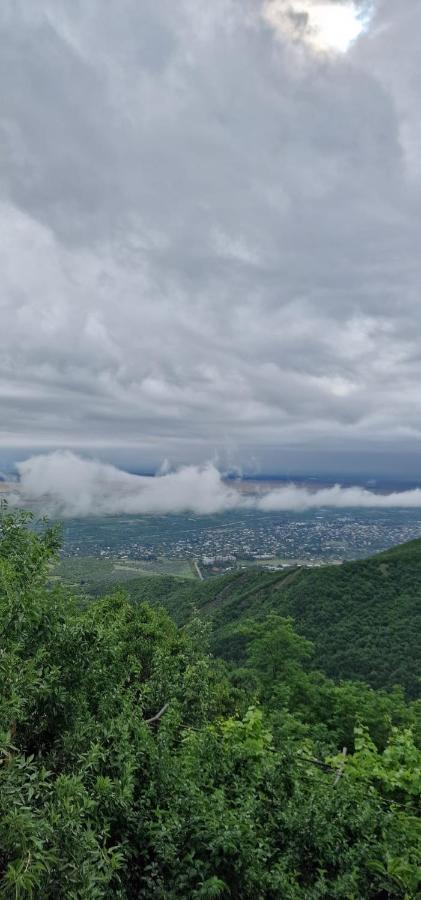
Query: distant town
231,540
213,544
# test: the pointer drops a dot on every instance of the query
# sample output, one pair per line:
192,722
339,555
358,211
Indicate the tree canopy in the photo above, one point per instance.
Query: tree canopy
134,763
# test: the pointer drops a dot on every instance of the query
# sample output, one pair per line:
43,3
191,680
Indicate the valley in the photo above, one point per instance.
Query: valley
230,541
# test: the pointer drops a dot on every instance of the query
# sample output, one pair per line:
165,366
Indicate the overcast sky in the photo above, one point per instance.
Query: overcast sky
210,233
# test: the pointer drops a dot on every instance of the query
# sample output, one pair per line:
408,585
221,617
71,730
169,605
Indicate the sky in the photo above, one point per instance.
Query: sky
210,225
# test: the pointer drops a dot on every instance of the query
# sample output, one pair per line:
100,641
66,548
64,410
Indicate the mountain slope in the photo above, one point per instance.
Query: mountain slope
363,617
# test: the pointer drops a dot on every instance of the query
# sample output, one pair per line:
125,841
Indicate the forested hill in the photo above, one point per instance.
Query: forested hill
134,763
364,617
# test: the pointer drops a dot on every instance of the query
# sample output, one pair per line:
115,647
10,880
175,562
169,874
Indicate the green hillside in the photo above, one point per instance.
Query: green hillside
364,617
134,763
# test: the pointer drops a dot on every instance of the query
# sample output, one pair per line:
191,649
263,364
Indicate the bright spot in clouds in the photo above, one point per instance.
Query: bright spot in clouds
327,27
334,27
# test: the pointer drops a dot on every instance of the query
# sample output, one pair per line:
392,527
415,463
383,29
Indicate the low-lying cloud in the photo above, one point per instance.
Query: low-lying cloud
64,484
296,498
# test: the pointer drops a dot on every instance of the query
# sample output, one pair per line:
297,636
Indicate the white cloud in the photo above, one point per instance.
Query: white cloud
68,485
296,498
64,484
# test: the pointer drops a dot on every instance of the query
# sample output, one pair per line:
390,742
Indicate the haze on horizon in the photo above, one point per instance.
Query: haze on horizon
210,230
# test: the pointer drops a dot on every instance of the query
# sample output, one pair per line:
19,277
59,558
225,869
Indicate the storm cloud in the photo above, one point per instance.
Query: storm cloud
210,233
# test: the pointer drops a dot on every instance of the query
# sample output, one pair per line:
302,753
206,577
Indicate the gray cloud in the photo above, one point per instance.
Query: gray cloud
209,234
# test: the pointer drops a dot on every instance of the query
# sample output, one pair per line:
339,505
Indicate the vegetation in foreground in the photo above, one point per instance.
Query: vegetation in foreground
135,764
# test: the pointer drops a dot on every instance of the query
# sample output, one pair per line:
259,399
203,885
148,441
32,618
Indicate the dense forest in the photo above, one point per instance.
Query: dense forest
249,740
363,617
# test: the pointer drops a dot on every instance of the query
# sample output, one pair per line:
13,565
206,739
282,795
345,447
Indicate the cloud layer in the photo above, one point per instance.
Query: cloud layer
65,484
209,232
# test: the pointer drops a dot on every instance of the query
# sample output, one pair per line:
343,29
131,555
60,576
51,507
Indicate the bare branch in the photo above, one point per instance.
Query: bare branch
158,715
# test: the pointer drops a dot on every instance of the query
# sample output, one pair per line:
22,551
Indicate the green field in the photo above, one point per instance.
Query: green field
84,572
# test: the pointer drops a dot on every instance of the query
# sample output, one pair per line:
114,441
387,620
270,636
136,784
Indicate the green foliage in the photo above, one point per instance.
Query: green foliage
363,617
395,777
232,791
